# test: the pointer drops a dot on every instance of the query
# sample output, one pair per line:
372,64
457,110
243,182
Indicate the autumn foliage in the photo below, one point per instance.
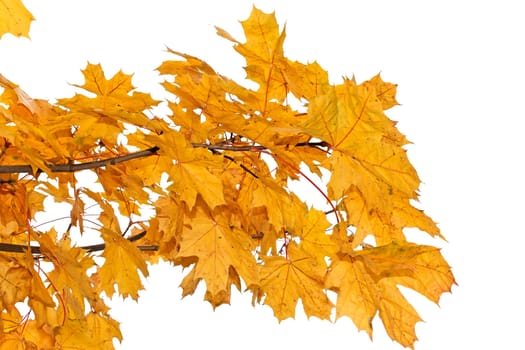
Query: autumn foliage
208,187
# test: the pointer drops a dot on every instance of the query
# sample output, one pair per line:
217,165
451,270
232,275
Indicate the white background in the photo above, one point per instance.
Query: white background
460,70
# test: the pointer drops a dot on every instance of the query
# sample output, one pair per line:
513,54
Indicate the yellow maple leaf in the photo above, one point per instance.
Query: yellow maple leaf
367,281
271,70
15,341
189,283
117,178
15,281
193,178
282,208
285,281
116,94
14,18
70,270
385,92
92,332
166,228
204,93
263,50
430,275
77,211
116,101
385,227
314,238
367,220
217,246
192,171
10,320
306,80
406,215
123,261
367,146
104,330
41,335
30,127
398,316
356,292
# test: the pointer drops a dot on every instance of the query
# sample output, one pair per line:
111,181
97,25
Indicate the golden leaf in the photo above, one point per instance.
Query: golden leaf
217,246
193,178
91,333
384,92
15,341
264,49
30,129
70,270
14,18
356,292
41,335
367,282
430,275
306,80
15,281
398,316
115,102
314,238
285,281
123,260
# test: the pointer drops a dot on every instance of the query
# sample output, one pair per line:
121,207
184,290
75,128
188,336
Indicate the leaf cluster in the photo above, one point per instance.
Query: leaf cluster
208,187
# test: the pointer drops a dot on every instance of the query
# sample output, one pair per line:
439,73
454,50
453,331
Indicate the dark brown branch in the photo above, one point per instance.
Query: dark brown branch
247,148
71,168
242,166
228,147
35,250
320,144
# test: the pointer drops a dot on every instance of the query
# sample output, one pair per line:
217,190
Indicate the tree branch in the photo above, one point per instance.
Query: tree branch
71,168
35,250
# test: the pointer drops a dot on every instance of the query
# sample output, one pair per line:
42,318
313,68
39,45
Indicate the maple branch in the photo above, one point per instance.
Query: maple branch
223,146
320,144
35,250
228,147
71,168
